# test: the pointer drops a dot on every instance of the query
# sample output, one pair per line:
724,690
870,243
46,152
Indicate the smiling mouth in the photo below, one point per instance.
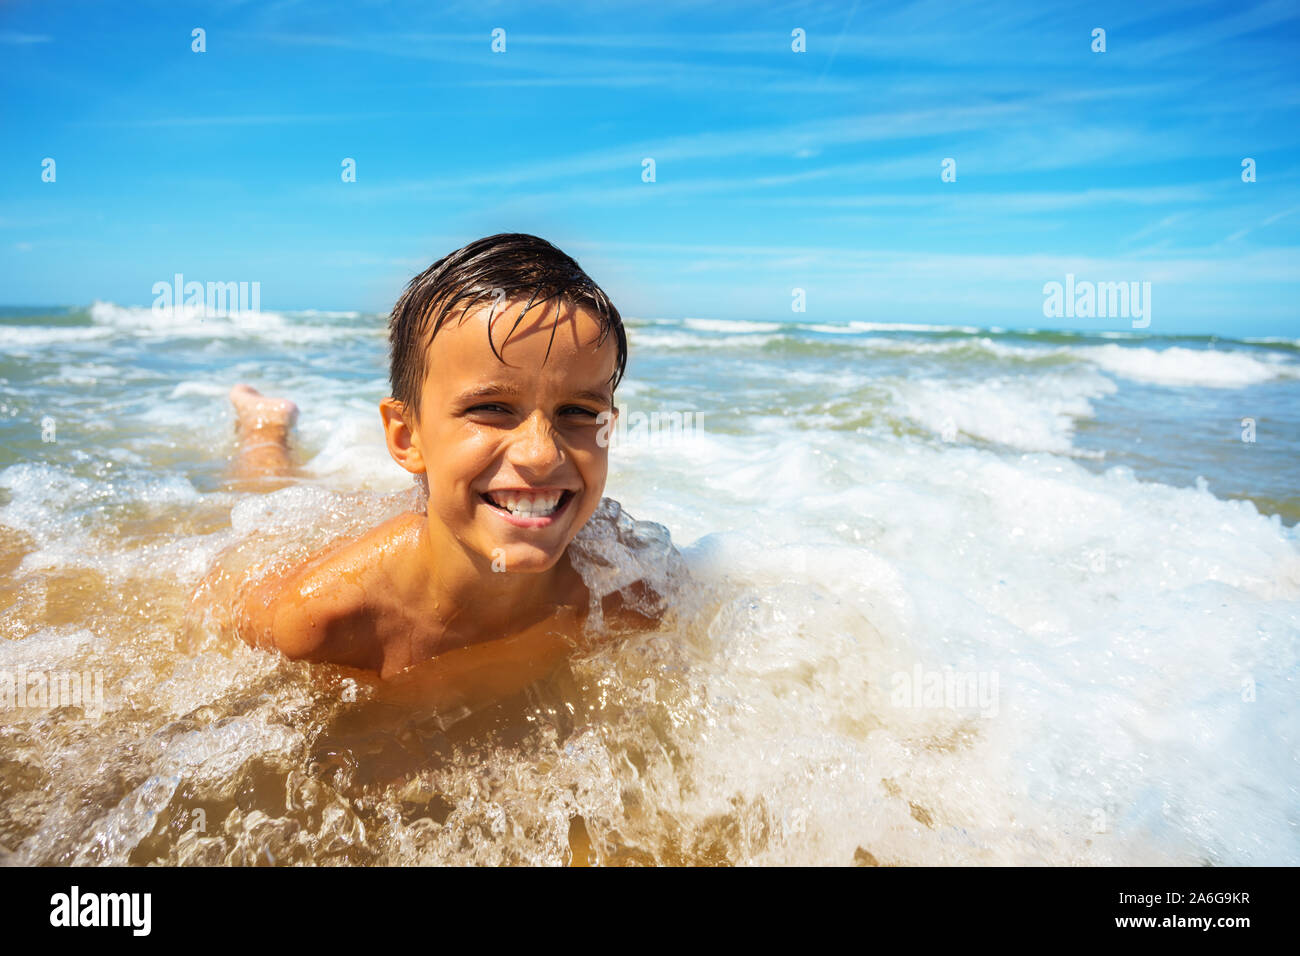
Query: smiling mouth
521,505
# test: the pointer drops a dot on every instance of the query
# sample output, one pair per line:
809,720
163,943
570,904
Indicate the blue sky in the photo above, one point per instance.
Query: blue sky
774,170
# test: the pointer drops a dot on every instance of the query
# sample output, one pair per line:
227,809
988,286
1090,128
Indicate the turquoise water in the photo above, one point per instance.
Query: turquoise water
1073,521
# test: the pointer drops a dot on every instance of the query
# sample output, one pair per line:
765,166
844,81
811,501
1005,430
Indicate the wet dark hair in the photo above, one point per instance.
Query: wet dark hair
513,262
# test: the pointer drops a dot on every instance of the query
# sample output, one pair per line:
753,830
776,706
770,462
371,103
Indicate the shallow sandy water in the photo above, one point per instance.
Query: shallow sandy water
1143,629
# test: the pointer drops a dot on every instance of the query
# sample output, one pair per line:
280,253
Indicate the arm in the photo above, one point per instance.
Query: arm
310,613
294,610
271,612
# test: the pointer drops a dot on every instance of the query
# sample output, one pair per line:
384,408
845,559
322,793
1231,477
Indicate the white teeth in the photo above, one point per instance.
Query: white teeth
527,506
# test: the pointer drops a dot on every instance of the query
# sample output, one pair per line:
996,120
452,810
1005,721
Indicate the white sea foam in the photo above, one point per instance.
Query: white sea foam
178,318
88,373
40,494
28,336
352,452
1177,366
729,325
203,389
326,314
853,327
983,344
642,338
193,322
55,509
1032,414
1123,618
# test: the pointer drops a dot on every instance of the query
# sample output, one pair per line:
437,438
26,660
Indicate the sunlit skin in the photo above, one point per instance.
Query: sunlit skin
461,605
530,425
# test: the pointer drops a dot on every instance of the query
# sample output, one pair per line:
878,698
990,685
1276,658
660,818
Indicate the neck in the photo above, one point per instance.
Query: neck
471,599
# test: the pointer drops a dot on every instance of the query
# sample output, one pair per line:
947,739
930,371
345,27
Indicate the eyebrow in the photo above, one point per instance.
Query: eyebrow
503,388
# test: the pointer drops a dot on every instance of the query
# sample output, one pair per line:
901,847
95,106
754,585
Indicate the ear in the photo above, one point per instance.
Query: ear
399,434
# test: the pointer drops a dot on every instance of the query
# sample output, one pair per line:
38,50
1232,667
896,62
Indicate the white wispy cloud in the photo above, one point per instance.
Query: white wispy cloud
1242,233
249,119
13,37
1263,16
1153,227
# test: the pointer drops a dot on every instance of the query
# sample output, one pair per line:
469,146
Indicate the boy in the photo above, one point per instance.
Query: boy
504,360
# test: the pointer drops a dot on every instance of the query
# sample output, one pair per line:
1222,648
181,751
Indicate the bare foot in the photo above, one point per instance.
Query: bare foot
262,429
257,412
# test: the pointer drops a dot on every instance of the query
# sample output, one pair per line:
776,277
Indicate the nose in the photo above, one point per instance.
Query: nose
535,446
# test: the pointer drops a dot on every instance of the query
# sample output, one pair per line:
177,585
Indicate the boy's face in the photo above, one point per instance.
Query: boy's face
511,450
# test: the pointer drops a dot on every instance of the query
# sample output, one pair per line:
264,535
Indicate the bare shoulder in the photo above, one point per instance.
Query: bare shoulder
324,608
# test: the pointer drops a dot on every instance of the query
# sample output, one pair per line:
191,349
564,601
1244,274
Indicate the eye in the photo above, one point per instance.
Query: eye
488,407
578,409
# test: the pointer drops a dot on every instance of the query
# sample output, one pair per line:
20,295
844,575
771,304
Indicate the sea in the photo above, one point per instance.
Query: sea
957,596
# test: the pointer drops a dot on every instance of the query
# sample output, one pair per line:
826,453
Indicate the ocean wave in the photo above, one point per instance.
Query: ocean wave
202,389
859,326
141,318
639,338
90,373
27,336
969,346
729,325
1174,365
1178,366
1289,344
1029,414
192,322
325,314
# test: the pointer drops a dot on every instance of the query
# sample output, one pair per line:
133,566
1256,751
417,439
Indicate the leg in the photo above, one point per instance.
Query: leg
262,426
